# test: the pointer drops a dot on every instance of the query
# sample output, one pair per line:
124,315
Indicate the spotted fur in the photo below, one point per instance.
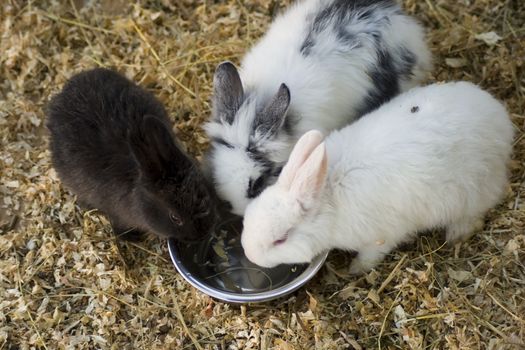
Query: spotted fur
322,64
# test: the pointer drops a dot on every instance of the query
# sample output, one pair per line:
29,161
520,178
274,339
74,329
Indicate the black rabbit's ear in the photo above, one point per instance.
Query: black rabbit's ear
155,149
228,93
272,117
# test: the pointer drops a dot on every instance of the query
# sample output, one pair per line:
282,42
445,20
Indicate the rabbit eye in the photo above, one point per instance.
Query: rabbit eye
282,239
279,241
176,219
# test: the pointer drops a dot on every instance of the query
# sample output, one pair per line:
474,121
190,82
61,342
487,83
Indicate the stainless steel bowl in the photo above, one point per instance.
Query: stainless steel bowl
218,267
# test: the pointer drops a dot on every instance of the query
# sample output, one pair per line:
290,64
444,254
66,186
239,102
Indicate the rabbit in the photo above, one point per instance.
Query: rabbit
432,157
112,145
321,65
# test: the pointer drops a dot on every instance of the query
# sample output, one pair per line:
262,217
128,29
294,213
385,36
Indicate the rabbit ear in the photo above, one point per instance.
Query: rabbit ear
310,177
155,149
302,149
272,117
227,92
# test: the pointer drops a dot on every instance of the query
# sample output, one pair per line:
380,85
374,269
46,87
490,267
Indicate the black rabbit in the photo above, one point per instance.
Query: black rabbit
112,145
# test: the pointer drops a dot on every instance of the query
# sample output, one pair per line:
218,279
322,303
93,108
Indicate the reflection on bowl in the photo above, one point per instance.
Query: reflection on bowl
218,267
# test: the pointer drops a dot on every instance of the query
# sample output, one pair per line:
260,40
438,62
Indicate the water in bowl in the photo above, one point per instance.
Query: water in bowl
219,262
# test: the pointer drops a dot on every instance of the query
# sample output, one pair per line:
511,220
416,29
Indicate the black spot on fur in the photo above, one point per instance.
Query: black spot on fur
364,15
336,17
350,39
386,76
414,109
258,156
390,67
385,83
270,170
256,186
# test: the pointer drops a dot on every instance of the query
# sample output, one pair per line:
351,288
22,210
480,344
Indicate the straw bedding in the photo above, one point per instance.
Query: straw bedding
65,283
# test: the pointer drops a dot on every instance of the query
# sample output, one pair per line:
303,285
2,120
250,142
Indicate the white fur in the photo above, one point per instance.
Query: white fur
327,86
391,174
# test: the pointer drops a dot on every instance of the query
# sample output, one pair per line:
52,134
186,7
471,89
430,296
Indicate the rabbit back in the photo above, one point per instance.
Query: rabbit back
435,156
340,59
432,157
89,123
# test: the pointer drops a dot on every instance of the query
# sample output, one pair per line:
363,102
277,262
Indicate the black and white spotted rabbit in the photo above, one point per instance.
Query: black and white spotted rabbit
321,65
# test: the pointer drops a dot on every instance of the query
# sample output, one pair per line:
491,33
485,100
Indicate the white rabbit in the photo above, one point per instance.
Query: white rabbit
434,156
321,65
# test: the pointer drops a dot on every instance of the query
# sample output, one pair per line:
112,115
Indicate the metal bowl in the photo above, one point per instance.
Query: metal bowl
217,266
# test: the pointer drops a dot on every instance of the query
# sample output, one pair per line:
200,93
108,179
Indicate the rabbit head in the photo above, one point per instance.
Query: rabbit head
247,143
271,233
171,191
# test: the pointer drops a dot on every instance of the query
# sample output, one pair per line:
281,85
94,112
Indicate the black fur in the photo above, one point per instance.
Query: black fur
386,76
390,67
260,157
268,176
385,80
256,186
112,145
270,170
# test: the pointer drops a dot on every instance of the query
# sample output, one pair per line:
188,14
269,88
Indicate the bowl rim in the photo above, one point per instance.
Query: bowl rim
236,298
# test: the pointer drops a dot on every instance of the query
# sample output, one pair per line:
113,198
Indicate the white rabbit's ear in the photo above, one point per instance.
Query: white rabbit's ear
302,149
310,177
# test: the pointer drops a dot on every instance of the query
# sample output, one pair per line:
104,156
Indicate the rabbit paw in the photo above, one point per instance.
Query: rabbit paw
365,261
462,230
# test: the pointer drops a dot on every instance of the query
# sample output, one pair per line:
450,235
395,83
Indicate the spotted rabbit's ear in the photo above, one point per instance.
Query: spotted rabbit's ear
300,153
270,120
228,93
